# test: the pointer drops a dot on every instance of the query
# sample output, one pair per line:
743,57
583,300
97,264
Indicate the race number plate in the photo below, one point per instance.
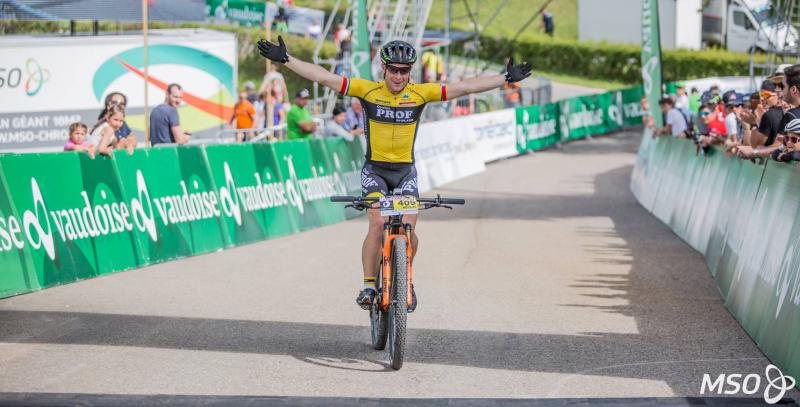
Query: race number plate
399,205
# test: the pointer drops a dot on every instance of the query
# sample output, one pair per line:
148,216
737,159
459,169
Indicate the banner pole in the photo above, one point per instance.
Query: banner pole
146,112
268,119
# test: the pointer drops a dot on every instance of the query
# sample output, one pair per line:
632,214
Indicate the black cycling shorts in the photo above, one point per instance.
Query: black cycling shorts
380,179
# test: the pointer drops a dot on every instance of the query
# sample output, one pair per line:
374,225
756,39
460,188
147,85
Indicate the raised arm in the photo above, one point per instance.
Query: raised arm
478,84
277,53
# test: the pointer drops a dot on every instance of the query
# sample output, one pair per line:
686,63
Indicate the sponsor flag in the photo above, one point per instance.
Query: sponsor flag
651,57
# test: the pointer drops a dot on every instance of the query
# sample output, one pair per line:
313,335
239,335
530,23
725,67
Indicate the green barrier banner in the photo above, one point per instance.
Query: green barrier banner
346,168
17,271
537,127
745,218
243,190
151,185
248,13
207,232
582,116
307,191
55,222
328,182
280,215
117,249
631,105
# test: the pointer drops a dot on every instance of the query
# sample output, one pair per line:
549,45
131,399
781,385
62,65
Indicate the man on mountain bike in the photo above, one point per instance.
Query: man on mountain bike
392,108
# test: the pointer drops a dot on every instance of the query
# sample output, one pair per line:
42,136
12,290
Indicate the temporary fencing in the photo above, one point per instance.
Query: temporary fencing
744,217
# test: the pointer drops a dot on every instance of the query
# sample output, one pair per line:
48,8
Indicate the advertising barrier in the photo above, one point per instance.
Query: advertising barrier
65,217
745,218
446,151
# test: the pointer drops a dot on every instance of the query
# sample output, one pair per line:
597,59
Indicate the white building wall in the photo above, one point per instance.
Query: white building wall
620,22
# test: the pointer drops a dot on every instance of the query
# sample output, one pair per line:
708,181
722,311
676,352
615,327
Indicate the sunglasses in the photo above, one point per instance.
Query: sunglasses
705,113
793,139
766,94
397,70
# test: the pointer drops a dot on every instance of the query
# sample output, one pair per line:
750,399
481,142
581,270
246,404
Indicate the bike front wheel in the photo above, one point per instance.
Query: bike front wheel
398,311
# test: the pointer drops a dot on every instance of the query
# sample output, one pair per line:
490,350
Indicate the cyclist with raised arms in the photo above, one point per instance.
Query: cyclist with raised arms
392,108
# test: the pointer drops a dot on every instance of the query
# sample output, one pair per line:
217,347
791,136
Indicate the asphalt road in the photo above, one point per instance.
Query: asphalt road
551,283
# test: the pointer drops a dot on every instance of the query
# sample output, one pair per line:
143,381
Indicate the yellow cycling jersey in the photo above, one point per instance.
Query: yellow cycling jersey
391,120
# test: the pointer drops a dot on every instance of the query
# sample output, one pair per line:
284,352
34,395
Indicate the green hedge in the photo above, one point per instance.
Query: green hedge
618,62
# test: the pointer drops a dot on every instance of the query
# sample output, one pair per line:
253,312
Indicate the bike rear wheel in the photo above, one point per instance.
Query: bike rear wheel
398,311
379,319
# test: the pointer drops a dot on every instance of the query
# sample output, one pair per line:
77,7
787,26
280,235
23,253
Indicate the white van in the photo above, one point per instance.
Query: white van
747,25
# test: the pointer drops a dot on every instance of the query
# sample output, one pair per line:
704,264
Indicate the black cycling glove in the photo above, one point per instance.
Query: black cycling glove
273,52
516,73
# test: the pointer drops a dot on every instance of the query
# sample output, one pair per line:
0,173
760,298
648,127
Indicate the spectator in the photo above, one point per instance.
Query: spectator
465,105
260,107
77,139
753,102
709,130
733,106
512,94
278,109
334,127
165,124
343,41
704,116
250,89
778,76
547,23
281,21
124,136
710,94
790,150
682,100
355,116
432,67
647,115
791,90
244,114
102,137
675,122
716,123
299,123
694,101
314,30
269,83
762,126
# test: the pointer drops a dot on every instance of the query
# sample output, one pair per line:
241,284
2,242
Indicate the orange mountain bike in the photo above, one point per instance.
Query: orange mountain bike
390,309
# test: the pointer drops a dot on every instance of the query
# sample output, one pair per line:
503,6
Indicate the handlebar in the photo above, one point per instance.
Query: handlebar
357,202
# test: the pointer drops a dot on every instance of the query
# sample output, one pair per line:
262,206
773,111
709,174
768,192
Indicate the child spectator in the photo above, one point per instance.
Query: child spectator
124,135
77,139
103,136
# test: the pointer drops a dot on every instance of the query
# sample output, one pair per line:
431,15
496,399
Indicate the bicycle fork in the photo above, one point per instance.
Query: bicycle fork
386,273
